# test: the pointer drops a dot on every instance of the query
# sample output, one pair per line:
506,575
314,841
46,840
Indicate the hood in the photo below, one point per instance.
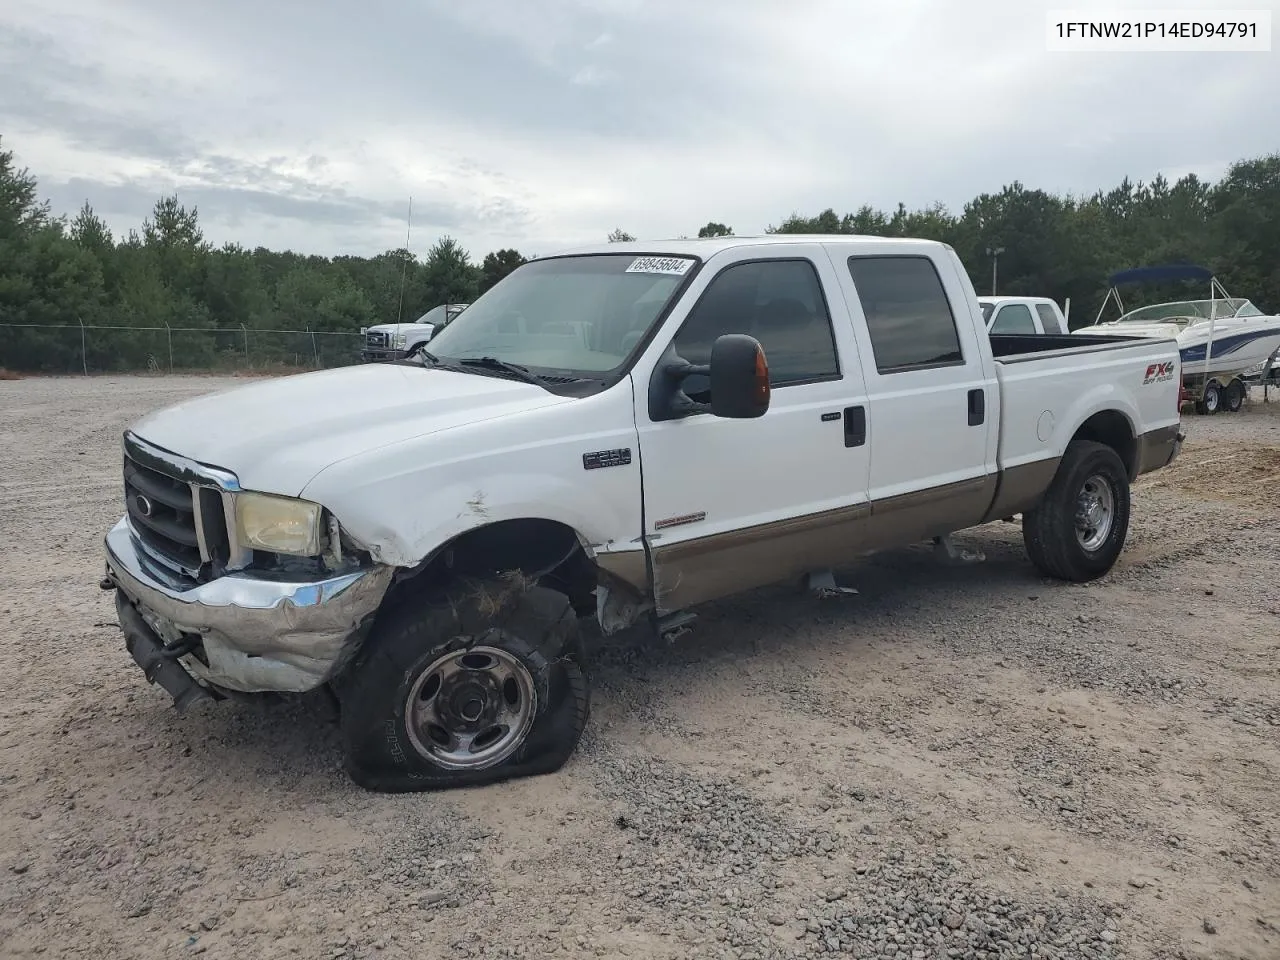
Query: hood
277,434
399,327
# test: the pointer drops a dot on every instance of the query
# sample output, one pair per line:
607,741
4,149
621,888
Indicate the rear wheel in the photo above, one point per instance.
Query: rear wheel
1077,531
1233,396
483,683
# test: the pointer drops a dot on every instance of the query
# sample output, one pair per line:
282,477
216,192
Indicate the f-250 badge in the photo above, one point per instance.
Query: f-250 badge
1159,372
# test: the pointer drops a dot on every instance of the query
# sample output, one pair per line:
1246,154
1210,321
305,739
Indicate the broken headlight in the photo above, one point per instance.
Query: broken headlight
278,524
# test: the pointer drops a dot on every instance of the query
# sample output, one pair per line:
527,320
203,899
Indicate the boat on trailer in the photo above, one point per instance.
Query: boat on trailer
1224,342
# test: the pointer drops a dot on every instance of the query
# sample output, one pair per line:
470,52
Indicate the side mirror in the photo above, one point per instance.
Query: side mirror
739,377
739,381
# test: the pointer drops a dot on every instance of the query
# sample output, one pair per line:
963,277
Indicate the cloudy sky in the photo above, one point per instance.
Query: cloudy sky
544,123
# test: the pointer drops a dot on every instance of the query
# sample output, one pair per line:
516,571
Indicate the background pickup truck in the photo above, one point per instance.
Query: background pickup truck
1023,315
394,341
618,433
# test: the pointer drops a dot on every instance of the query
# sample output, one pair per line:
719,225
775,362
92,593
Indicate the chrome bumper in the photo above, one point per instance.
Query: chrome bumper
257,635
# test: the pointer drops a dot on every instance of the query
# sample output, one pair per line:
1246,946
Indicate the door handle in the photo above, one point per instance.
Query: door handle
977,406
855,426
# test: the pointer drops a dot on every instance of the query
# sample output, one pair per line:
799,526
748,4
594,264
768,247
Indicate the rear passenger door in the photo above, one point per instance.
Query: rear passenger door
932,394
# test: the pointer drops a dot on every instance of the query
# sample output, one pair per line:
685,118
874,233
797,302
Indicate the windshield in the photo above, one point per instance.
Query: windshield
582,314
441,313
1190,310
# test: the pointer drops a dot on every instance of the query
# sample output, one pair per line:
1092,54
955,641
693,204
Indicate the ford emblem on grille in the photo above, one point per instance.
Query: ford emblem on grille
143,505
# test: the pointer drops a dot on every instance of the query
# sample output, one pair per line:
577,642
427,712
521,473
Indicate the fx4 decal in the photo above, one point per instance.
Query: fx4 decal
1160,372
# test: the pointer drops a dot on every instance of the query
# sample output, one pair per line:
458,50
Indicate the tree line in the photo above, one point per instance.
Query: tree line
58,272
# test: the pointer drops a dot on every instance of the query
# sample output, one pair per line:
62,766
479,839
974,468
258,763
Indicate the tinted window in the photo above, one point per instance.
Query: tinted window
1014,318
780,303
908,316
986,311
1049,318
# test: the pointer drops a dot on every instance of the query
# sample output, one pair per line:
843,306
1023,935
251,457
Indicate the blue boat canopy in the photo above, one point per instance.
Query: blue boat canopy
1169,271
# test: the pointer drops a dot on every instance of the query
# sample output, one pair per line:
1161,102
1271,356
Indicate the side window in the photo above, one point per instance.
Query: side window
780,303
1049,318
908,315
1014,318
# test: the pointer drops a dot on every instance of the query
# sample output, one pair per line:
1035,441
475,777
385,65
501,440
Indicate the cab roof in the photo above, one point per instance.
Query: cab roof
707,247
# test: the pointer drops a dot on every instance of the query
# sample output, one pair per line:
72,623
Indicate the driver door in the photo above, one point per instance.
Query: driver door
735,504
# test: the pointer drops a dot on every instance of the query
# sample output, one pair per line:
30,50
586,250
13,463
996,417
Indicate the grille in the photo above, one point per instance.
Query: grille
183,524
375,339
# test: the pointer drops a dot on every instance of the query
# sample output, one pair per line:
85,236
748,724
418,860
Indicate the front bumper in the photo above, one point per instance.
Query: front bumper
382,354
250,634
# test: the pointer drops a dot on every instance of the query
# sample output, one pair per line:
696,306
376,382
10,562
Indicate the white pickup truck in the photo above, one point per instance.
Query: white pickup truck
1022,315
617,434
395,341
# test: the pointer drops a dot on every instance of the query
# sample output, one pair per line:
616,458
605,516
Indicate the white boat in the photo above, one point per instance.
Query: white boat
1223,341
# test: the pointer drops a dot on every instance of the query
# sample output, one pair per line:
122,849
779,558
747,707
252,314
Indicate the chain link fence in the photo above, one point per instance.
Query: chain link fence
86,349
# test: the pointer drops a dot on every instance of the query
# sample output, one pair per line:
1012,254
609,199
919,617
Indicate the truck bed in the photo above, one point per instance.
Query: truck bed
1016,347
1051,383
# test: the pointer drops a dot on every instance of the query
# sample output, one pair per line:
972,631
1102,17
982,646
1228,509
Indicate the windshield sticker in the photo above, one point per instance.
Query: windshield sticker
674,266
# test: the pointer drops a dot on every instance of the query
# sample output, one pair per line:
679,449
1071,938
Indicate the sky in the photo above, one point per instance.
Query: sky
541,124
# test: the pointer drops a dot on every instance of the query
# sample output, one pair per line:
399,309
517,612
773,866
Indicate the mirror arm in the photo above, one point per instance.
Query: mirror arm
683,368
681,403
683,406
673,374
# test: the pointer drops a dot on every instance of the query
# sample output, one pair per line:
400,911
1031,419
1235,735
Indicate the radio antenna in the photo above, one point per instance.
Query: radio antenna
404,268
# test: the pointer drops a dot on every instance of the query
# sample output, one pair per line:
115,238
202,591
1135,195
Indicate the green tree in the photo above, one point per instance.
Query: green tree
173,241
497,265
620,236
713,229
448,274
20,210
91,232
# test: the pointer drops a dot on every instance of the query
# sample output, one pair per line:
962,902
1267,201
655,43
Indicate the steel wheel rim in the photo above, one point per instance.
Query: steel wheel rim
1095,512
1211,400
471,708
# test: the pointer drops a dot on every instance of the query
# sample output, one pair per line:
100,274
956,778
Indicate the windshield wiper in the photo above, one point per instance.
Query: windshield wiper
493,363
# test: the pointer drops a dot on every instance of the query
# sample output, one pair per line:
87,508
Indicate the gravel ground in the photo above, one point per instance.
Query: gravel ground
955,762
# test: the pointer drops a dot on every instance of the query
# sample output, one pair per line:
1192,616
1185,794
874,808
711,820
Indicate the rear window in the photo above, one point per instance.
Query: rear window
1014,318
1049,318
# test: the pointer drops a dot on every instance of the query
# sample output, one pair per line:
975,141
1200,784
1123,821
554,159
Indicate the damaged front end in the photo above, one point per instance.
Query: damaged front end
205,615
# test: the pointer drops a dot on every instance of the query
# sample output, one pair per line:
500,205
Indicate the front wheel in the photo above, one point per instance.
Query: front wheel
483,683
1211,402
1077,531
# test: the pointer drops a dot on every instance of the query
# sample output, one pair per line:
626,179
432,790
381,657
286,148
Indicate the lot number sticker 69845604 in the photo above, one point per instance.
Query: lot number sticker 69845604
674,266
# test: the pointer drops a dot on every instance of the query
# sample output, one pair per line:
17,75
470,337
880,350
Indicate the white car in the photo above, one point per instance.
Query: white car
619,433
394,341
1008,315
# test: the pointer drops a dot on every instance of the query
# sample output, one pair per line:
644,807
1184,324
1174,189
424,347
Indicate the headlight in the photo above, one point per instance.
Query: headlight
278,524
398,341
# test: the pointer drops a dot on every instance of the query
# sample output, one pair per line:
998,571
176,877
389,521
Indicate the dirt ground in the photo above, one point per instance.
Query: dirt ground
955,762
